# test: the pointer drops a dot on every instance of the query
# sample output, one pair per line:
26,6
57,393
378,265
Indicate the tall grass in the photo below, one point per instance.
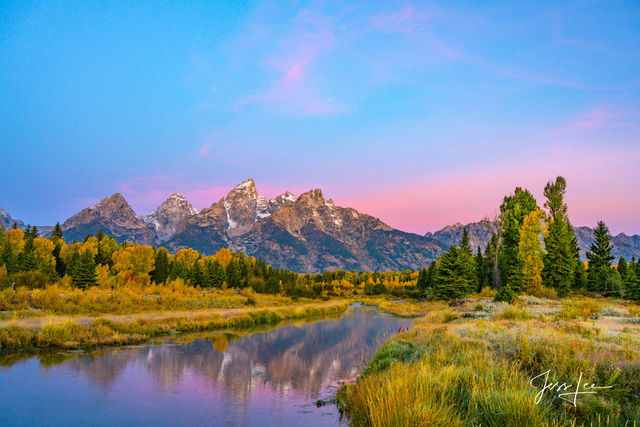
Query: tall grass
477,372
103,332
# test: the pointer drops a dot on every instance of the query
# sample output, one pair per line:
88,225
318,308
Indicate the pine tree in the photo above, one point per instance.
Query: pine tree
56,234
456,274
100,235
233,274
214,274
559,261
421,284
27,259
160,273
600,275
84,272
481,270
431,274
623,268
632,286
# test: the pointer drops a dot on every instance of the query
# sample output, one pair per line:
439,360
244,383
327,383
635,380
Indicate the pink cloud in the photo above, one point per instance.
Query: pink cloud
294,91
428,203
204,149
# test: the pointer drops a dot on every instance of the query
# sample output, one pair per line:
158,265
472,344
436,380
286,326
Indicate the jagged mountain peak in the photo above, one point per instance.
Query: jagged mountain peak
246,187
114,216
166,218
177,200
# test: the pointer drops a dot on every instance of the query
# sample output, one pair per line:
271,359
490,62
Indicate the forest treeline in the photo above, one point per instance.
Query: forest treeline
27,260
532,249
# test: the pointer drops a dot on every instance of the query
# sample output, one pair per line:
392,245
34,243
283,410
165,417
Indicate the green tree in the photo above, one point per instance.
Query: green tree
623,268
530,252
513,211
601,277
160,272
481,271
560,259
456,274
56,234
84,272
214,273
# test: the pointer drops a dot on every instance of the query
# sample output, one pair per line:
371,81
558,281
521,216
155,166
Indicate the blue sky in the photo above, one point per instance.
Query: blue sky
422,114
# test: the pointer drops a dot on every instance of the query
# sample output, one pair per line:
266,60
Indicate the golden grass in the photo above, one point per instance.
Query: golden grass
104,332
477,371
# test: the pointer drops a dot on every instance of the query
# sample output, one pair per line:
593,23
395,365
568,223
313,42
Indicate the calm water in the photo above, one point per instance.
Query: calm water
270,378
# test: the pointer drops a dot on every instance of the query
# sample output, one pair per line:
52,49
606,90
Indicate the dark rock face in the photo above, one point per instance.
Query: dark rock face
114,216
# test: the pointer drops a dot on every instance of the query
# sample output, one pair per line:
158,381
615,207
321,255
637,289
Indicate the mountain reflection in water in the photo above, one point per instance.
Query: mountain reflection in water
263,378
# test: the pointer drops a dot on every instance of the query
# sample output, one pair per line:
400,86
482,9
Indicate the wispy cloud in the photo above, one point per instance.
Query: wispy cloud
300,50
407,20
204,149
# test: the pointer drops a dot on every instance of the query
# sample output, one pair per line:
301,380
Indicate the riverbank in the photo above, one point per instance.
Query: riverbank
76,332
473,365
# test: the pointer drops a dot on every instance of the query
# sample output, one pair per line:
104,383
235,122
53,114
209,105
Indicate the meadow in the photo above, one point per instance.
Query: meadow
472,364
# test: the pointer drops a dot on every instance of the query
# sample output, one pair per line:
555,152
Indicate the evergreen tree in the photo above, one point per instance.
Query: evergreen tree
196,275
632,286
481,270
623,268
84,272
160,273
27,259
60,265
491,255
56,234
100,235
559,261
558,269
431,274
513,211
233,274
456,274
421,284
600,275
214,274
8,258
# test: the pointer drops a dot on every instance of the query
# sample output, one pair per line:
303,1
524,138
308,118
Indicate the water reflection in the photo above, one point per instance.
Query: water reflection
264,378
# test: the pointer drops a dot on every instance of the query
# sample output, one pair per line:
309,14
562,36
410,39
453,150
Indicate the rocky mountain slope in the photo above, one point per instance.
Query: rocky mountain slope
307,233
114,216
166,218
479,234
7,221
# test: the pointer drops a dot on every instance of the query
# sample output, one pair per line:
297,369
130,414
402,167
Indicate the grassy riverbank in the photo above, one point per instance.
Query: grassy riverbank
72,334
472,365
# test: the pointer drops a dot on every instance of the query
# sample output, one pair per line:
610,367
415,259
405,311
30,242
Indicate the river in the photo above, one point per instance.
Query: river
251,378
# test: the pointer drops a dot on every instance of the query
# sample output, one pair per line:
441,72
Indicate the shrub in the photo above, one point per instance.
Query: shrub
505,294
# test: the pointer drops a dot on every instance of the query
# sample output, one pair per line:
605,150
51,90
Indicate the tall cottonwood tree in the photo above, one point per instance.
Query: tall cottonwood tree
530,252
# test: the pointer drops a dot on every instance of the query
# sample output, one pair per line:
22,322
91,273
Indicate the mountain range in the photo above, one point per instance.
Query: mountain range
307,233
